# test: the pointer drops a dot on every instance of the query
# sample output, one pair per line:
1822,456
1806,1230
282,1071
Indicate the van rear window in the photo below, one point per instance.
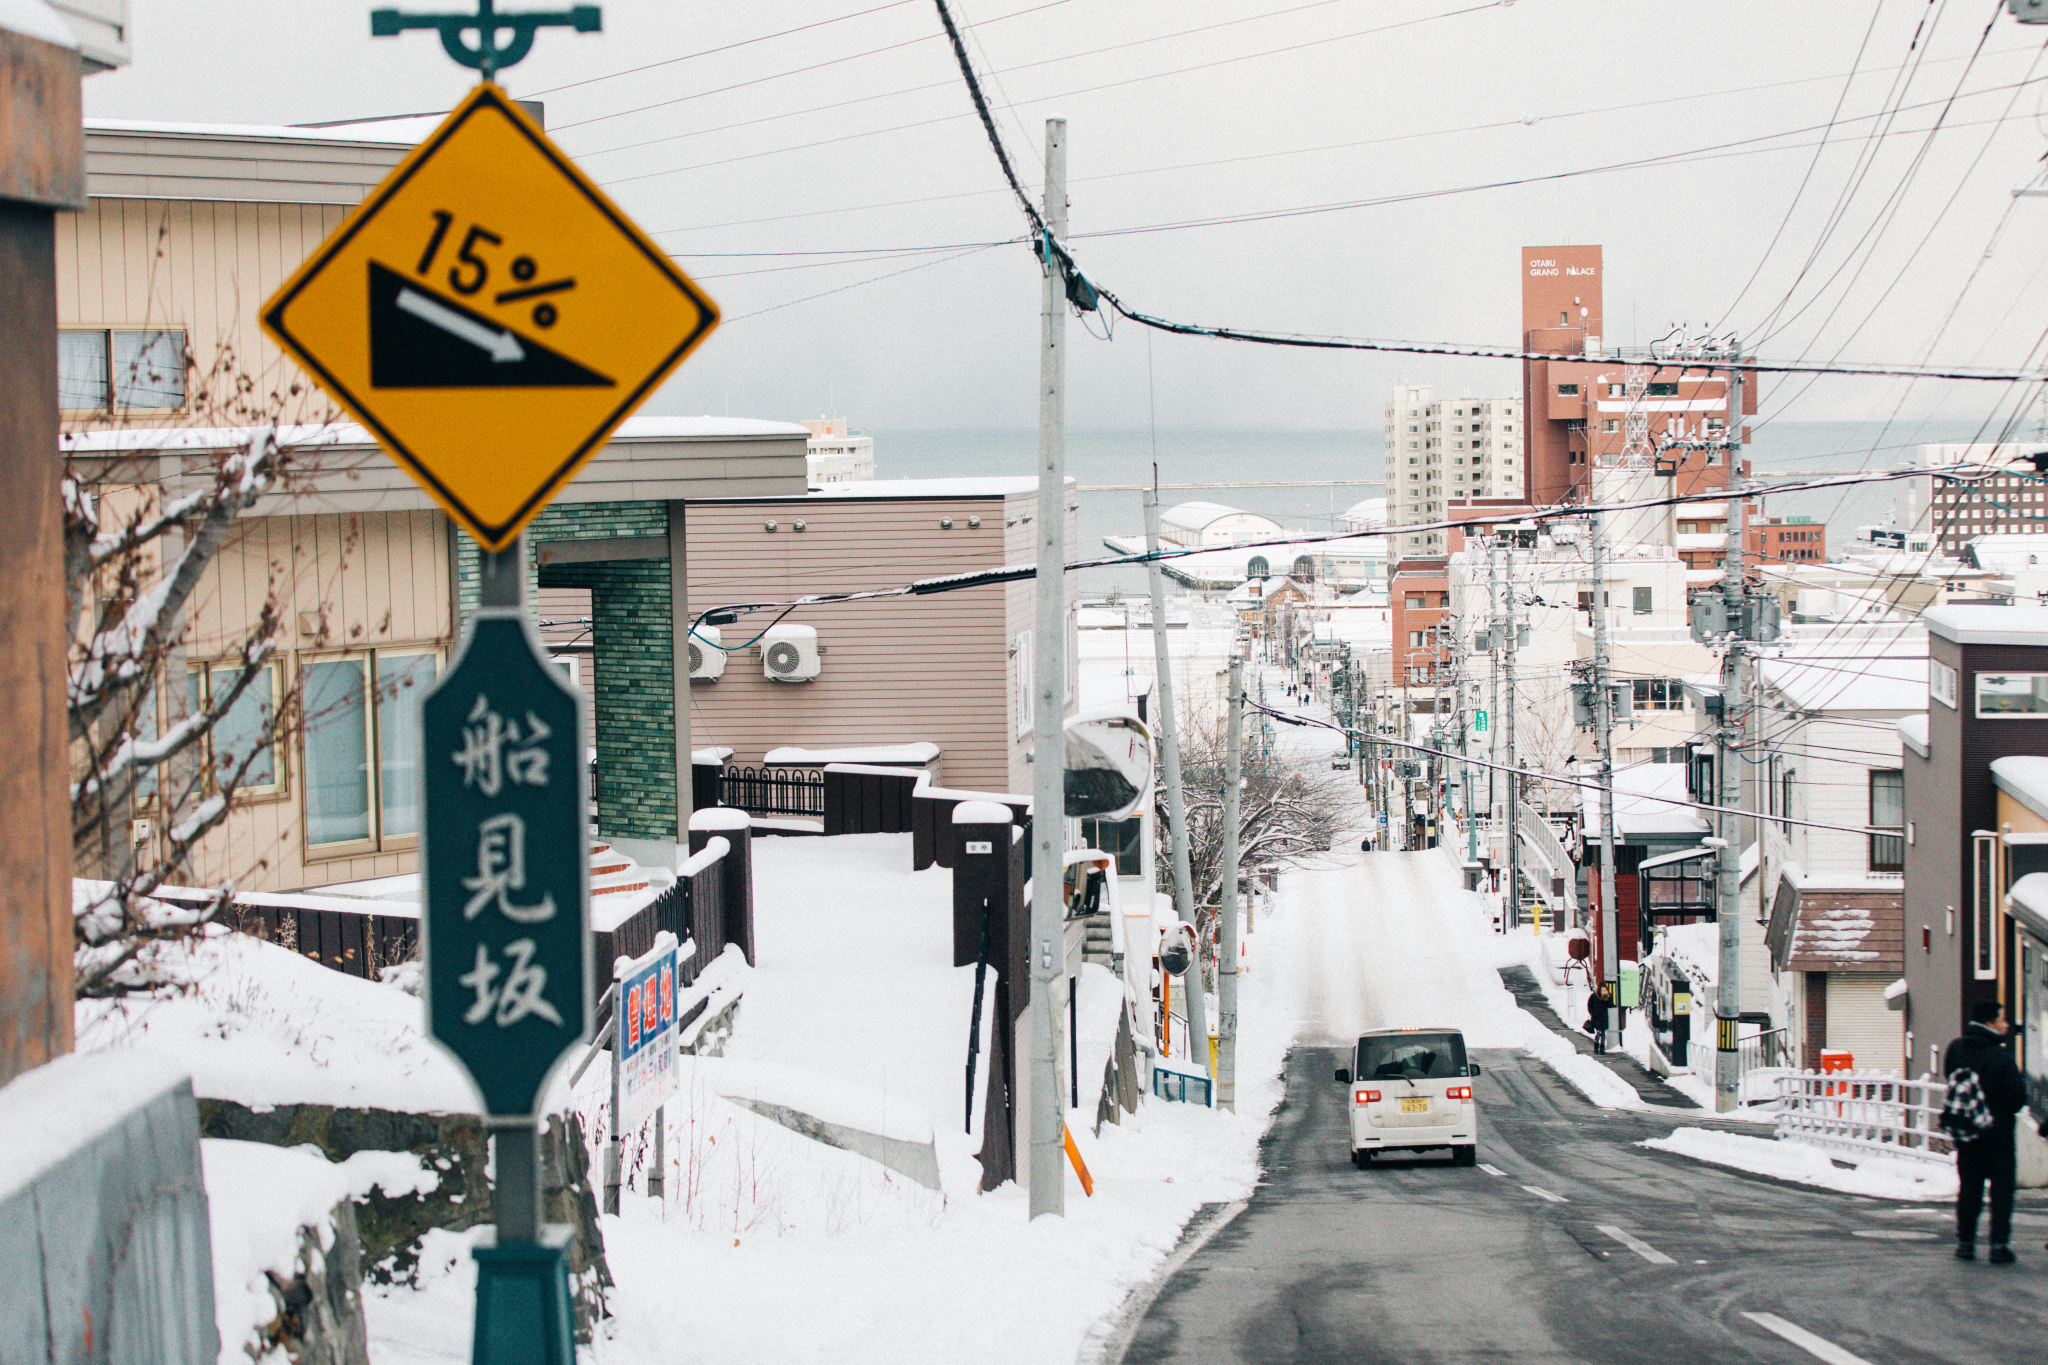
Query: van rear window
1415,1056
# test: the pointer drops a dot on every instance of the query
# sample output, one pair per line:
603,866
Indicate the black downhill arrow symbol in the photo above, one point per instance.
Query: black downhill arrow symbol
421,339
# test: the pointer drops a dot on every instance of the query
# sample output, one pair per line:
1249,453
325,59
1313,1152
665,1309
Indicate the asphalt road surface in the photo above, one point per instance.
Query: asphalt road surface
1571,1244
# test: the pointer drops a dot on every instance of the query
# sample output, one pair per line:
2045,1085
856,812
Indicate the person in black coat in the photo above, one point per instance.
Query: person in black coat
1597,1010
1992,1157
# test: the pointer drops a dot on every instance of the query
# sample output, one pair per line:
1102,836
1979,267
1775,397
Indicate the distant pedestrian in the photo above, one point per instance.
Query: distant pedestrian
1597,1010
1985,1095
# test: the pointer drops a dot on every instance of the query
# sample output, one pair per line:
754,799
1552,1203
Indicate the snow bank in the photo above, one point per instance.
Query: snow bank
262,1025
258,1197
1878,1177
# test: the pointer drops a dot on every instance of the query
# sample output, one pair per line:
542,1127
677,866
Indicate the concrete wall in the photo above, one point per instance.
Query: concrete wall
106,1252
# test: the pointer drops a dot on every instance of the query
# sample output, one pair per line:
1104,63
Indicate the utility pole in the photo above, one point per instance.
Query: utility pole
1044,1092
1493,644
1226,967
1513,917
1176,803
1603,720
1734,583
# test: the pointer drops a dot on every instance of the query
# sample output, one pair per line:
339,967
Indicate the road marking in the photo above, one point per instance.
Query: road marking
1542,1193
1820,1348
1637,1245
1894,1234
1491,1170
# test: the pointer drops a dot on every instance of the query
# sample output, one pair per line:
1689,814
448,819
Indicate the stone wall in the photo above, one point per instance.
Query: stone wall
389,1229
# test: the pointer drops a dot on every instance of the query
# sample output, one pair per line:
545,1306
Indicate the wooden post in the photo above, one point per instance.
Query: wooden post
42,171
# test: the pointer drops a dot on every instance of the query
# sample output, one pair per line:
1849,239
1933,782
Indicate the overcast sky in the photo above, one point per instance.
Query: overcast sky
856,135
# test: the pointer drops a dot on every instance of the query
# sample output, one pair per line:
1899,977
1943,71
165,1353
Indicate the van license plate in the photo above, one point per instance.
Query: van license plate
1415,1104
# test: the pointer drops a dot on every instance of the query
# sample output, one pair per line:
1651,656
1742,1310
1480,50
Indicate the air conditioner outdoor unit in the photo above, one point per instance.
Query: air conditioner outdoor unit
707,661
790,653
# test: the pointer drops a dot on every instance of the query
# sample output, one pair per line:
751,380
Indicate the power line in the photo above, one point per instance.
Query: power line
1084,293
711,51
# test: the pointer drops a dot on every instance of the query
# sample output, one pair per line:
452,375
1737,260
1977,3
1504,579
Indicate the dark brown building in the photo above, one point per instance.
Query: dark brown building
1988,699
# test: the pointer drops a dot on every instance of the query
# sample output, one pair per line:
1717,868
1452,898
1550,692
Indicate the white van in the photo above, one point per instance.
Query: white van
1411,1091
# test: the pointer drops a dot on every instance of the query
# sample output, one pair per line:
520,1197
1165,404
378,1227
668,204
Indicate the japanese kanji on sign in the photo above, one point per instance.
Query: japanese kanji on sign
646,1041
508,969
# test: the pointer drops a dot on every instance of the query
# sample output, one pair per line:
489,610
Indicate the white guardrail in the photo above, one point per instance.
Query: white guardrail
1542,840
1865,1113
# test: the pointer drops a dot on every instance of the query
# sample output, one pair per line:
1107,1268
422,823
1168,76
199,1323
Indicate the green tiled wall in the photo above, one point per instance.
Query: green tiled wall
634,662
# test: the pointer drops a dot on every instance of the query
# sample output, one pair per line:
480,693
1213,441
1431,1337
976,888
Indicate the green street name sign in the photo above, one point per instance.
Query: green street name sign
1479,721
505,929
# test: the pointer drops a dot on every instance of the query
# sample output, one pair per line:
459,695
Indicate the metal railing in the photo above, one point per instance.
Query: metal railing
774,791
1865,1113
1542,840
1771,1048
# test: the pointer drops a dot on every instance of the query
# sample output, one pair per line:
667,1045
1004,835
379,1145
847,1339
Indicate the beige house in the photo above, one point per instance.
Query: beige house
187,230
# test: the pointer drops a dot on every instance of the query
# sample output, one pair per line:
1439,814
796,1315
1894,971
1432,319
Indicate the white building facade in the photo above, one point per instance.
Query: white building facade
1446,450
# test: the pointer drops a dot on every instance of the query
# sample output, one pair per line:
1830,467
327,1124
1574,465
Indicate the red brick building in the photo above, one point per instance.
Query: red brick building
1576,407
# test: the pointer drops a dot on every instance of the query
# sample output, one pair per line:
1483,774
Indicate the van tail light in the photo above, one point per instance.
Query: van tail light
1458,1092
1366,1097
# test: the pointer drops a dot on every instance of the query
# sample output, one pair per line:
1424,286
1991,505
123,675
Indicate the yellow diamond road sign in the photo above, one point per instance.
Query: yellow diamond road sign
491,315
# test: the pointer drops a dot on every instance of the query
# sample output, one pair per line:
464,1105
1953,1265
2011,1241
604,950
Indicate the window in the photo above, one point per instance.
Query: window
1984,908
362,759
141,370
1505,427
1888,811
1567,390
1659,694
1416,602
1415,639
1610,424
2012,694
1642,597
1120,838
244,740
1663,390
1614,391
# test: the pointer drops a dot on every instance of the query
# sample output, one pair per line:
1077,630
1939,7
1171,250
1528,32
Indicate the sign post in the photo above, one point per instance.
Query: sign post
506,940
492,317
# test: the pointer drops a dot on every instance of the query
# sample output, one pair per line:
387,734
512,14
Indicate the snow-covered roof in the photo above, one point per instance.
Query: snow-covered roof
1367,510
1821,684
2029,900
989,487
1913,730
1975,624
1198,514
2025,778
137,439
2006,552
919,753
1636,809
34,19
405,131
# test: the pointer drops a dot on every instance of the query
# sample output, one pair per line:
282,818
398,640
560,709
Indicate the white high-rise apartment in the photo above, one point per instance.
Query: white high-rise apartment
1445,450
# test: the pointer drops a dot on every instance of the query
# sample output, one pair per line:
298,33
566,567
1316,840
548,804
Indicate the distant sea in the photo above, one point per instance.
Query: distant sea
1214,458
